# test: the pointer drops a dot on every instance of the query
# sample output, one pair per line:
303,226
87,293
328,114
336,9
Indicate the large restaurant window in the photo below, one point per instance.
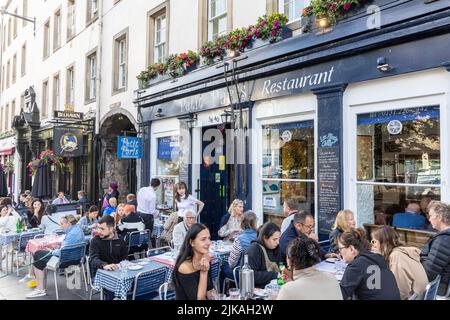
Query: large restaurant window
167,168
398,160
288,166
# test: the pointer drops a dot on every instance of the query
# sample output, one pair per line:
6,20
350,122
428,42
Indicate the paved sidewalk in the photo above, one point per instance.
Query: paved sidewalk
11,289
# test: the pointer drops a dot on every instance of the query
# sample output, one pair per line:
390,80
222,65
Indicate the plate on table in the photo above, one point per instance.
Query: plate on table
331,260
135,267
143,262
260,292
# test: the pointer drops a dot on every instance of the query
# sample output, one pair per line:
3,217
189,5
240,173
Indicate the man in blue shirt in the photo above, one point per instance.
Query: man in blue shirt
61,199
410,219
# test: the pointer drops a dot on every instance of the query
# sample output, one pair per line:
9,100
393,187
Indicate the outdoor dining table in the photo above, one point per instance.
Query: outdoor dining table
120,281
331,268
48,243
168,258
7,238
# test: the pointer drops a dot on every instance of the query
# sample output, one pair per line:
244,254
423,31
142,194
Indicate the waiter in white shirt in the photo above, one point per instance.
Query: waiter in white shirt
146,200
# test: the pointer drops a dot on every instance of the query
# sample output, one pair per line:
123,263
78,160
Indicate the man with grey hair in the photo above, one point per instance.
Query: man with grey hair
435,255
180,230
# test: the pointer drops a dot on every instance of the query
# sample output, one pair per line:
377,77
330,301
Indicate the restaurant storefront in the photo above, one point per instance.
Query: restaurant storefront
68,135
364,129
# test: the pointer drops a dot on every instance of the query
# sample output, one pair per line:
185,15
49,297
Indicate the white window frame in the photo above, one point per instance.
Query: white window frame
71,19
281,4
71,86
122,64
92,76
45,99
94,8
46,52
259,179
218,16
162,35
57,92
350,132
57,30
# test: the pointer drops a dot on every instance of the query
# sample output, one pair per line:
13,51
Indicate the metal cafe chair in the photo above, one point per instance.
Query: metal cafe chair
138,239
70,255
90,282
166,292
432,289
157,251
148,282
215,272
21,246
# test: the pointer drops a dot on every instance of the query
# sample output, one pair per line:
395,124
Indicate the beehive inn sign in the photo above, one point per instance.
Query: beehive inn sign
69,115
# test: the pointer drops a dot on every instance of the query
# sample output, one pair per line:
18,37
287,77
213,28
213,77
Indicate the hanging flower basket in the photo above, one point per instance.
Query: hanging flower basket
49,159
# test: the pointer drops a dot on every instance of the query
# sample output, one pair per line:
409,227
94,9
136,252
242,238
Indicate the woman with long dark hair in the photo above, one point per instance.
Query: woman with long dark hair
185,201
192,274
38,211
264,254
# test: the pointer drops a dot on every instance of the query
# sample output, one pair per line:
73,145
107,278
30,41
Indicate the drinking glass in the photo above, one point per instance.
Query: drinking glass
124,268
272,290
220,296
235,294
213,245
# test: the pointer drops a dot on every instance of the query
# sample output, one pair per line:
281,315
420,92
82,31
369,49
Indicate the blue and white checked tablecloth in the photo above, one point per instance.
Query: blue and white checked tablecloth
7,238
120,283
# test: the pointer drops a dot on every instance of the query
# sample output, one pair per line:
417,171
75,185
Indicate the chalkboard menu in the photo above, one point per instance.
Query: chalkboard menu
329,192
185,152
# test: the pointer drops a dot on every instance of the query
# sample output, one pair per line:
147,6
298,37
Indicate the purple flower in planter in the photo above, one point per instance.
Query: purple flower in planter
346,6
274,33
276,23
248,37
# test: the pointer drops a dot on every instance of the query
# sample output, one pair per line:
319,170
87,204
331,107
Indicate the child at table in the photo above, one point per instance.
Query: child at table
74,235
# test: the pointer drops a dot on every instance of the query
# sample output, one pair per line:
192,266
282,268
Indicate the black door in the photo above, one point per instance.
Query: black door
214,186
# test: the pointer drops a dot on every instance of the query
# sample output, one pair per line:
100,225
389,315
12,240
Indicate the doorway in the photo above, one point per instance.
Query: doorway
215,178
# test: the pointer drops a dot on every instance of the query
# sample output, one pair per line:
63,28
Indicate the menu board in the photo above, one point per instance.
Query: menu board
329,197
185,154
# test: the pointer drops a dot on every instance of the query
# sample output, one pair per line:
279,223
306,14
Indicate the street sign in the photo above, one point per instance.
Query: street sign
129,148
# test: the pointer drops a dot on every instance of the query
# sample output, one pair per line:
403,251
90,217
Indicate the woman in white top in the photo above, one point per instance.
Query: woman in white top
7,220
185,201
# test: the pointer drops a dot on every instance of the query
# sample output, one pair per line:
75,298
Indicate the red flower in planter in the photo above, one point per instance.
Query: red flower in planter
347,6
183,56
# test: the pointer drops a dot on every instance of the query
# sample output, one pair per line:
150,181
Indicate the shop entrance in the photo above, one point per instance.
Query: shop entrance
215,177
122,171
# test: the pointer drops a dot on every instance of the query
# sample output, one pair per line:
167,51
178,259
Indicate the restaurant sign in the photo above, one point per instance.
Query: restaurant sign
68,115
129,148
68,142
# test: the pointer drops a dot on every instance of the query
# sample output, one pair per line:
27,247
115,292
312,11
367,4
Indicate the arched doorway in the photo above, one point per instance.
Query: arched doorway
122,171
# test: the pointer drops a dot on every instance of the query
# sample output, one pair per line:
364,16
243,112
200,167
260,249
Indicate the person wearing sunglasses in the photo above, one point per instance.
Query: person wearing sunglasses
367,276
